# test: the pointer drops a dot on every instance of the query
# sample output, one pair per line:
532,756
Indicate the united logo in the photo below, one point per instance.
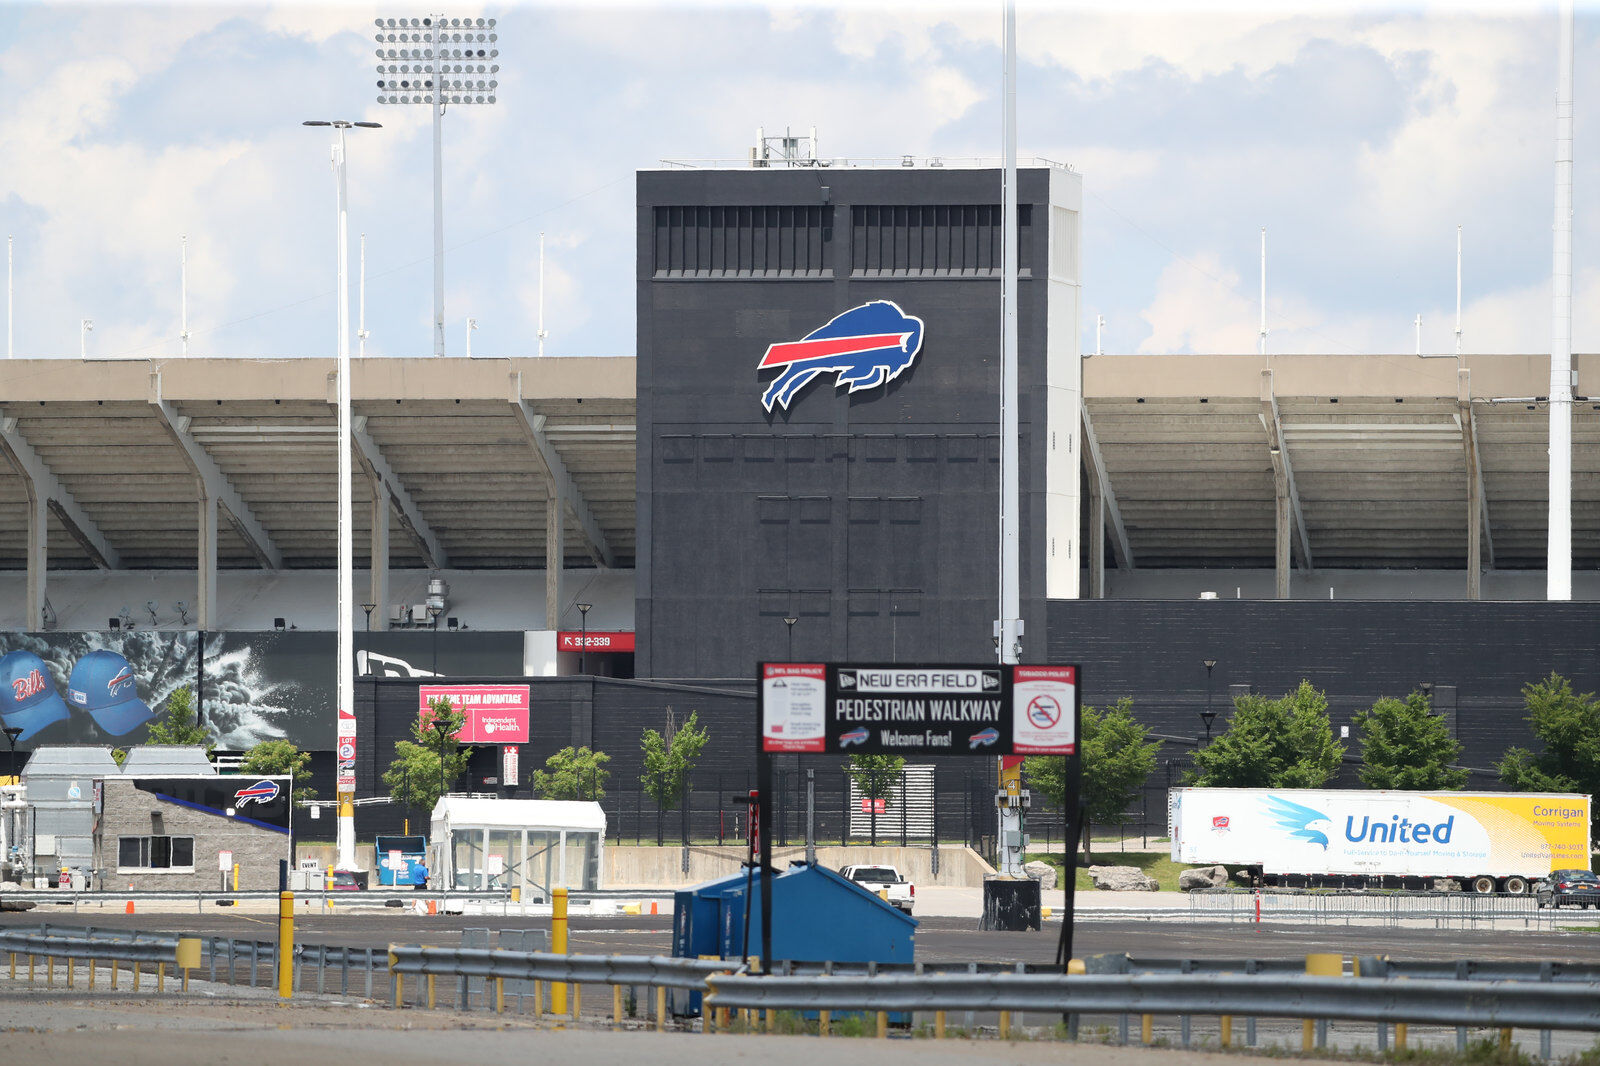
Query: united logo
865,347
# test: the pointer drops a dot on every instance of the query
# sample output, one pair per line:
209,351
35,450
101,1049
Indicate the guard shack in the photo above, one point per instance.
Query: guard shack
825,918
482,843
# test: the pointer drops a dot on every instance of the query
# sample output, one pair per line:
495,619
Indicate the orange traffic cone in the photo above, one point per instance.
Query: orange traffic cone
653,906
130,907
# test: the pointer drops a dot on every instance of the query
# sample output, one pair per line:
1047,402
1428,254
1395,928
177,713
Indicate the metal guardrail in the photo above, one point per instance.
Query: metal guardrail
654,970
1523,1005
65,947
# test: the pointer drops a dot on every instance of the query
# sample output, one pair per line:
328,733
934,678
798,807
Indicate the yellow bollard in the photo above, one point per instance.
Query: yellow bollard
538,1001
824,1022
114,968
516,893
161,977
13,965
236,877
1318,965
399,986
577,999
661,1008
137,974
285,945
30,969
91,973
188,957
430,991
558,945
1005,1025
1505,1044
883,1025
70,971
1147,1025
50,971
938,1025
1400,1036
1227,1030
616,1006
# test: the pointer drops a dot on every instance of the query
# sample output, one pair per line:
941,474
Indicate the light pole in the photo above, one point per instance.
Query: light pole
583,636
441,726
369,607
433,620
345,662
472,325
1208,715
85,328
12,733
789,624
439,61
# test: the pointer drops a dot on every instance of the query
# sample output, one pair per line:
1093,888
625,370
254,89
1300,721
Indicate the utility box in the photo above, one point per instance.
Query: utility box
817,916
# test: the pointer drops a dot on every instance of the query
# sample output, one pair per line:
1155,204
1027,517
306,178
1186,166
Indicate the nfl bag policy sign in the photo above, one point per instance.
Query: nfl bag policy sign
895,709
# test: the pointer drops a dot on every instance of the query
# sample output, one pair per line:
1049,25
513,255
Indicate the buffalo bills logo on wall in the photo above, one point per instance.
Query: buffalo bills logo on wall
866,346
260,792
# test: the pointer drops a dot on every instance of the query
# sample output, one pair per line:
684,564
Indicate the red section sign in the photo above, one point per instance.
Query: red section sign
496,714
874,806
568,641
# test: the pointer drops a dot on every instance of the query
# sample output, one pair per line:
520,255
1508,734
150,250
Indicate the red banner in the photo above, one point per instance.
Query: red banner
495,714
568,641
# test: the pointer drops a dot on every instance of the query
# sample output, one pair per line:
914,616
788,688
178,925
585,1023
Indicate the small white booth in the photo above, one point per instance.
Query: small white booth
534,845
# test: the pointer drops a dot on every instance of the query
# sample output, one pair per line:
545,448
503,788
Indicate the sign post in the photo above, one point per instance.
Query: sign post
931,709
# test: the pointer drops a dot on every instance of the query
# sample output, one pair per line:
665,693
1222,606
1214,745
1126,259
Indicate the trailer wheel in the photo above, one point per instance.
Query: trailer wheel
1516,886
1483,884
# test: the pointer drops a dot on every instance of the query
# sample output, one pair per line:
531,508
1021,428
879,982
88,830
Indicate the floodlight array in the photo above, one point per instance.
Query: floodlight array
413,53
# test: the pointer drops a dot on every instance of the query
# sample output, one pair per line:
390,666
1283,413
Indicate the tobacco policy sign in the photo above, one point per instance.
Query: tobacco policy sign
899,709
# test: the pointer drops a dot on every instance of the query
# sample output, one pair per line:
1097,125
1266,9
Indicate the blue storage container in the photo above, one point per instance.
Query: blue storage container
817,916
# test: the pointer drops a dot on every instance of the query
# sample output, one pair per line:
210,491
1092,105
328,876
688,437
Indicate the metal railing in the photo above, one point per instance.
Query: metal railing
180,953
1390,908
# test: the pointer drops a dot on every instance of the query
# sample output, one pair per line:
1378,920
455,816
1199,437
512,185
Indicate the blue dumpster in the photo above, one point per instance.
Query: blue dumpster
817,916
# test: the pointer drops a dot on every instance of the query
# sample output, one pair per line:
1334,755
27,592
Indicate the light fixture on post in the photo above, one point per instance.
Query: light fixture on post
788,623
85,328
1208,715
12,733
472,325
437,61
583,636
345,658
369,608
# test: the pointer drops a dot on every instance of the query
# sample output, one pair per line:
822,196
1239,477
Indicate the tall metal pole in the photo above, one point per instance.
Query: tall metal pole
438,189
542,333
183,284
10,294
1558,565
346,657
361,328
1263,290
1009,627
1458,292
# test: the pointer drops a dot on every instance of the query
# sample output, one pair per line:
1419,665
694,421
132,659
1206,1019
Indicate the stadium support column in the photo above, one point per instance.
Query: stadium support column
554,556
206,563
38,553
379,563
1558,562
1477,503
1290,524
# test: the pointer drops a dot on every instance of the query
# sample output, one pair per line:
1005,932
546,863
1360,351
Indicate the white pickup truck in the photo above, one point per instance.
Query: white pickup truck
883,881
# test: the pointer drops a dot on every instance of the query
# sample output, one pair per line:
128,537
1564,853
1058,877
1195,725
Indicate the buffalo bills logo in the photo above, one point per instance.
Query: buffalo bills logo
1219,822
865,346
983,738
260,792
857,735
120,679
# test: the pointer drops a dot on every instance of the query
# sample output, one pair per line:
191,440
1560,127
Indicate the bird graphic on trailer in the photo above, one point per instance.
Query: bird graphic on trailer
1298,820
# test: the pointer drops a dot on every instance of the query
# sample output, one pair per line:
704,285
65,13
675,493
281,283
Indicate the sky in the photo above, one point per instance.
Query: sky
1359,137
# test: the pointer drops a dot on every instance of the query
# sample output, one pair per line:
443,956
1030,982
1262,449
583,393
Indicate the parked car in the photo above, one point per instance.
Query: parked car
884,879
344,881
1564,888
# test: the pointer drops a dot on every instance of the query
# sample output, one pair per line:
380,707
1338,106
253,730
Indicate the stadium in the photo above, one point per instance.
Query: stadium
627,537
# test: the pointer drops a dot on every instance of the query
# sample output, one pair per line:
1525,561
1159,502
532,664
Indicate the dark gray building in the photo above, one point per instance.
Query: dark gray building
865,511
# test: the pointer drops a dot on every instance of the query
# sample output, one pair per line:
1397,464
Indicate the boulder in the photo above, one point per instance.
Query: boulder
1203,877
16,904
1121,879
1446,884
1041,872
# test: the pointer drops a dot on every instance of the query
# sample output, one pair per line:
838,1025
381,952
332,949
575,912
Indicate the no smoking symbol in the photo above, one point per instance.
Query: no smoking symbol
1044,711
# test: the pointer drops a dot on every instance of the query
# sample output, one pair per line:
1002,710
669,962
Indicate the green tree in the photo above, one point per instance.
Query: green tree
875,777
1568,724
1118,757
1285,742
573,774
283,757
670,758
178,725
1405,745
424,766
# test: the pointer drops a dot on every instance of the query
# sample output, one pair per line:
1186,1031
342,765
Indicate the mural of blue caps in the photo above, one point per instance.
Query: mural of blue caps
103,684
28,697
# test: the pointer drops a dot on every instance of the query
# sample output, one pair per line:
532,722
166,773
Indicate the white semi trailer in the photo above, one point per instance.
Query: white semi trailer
1487,841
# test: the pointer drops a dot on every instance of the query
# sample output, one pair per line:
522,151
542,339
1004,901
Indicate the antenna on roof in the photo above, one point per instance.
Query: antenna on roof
1458,291
543,333
183,285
